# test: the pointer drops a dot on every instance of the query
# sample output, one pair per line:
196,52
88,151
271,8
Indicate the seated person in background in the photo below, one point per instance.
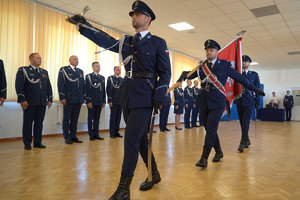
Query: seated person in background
275,99
272,104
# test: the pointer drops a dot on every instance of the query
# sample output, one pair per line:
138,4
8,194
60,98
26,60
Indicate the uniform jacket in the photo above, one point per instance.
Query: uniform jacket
179,97
2,81
196,93
33,86
248,98
112,88
70,85
153,55
288,101
188,96
95,89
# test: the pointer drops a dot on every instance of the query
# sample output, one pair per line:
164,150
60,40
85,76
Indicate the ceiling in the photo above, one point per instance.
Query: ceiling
268,41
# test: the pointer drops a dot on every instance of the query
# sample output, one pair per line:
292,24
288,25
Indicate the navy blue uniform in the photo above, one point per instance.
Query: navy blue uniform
196,110
164,112
138,92
71,88
2,81
33,85
188,100
179,100
94,94
212,102
288,103
112,89
246,102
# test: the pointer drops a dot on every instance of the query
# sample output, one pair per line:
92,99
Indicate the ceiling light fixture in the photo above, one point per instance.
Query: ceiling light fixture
181,26
254,63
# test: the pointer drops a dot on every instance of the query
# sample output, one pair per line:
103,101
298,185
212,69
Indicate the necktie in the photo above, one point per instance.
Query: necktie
209,65
244,73
136,38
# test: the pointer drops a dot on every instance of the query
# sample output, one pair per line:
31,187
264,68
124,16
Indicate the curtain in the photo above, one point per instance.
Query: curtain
16,41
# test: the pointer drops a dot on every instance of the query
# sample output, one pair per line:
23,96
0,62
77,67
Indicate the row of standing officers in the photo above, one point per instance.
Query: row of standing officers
34,92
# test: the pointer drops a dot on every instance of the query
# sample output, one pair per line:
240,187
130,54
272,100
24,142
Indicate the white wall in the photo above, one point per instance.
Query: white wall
280,81
11,120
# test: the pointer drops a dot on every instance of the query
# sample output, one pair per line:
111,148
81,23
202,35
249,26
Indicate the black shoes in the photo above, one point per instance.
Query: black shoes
76,140
118,135
146,185
98,137
247,143
202,163
187,127
203,160
115,135
40,145
241,147
165,129
178,128
68,141
122,192
217,157
27,147
92,138
196,125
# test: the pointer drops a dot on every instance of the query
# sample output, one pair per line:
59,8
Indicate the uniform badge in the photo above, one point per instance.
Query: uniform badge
43,75
167,51
136,3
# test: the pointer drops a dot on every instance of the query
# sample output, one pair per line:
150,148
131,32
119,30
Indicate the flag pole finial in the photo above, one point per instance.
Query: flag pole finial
242,33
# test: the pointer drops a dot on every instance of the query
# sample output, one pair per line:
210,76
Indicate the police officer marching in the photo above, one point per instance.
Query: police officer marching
3,90
145,58
246,102
34,92
70,85
95,100
112,89
178,105
189,104
196,109
213,97
288,103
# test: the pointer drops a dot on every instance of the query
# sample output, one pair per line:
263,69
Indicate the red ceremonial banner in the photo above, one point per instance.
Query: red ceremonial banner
232,52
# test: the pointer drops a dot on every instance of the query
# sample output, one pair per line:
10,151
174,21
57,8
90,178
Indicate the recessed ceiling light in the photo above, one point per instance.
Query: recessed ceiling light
182,26
254,63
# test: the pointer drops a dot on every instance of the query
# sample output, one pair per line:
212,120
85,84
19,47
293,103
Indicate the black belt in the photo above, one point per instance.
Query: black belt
131,74
208,88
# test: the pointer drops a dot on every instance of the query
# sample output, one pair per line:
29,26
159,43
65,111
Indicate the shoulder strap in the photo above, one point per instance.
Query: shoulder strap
140,66
213,79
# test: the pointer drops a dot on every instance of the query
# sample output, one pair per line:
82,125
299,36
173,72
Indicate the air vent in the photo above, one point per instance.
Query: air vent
293,53
265,11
